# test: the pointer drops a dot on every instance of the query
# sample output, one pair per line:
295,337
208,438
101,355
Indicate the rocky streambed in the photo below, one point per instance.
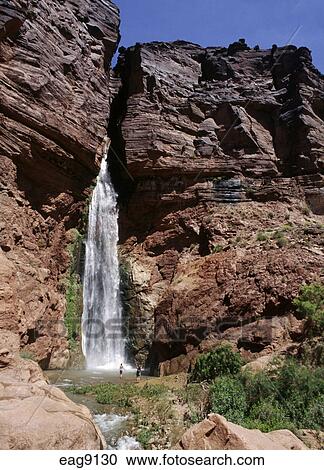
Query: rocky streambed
130,415
114,424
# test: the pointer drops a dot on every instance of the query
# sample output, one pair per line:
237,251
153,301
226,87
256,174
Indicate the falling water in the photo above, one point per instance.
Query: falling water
102,339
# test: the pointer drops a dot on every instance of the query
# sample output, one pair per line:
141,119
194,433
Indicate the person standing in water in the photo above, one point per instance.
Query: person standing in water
121,370
138,373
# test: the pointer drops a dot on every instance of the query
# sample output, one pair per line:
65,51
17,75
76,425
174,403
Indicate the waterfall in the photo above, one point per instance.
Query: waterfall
102,340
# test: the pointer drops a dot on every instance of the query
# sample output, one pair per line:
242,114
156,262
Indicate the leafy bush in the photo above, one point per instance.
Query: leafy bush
73,307
310,304
218,248
227,398
73,291
299,387
222,361
258,387
290,397
268,416
314,416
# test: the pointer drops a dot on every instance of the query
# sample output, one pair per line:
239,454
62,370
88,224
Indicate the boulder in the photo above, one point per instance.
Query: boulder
35,415
216,433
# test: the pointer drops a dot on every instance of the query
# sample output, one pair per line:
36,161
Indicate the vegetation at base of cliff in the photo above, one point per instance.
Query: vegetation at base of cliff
289,396
222,361
73,292
217,248
310,305
227,398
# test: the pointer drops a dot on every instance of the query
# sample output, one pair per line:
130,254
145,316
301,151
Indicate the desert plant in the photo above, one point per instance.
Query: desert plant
227,398
222,361
144,437
262,237
27,355
259,386
267,416
310,304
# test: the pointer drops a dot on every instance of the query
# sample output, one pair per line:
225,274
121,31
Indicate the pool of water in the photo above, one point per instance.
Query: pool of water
79,377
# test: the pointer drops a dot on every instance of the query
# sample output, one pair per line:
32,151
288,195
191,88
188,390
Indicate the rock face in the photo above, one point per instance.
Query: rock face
54,104
220,154
35,415
216,433
216,153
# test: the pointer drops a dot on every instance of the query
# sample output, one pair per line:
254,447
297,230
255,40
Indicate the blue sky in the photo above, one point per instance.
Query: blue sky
220,22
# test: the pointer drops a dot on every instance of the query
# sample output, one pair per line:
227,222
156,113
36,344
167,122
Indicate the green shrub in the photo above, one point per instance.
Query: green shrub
310,304
227,398
280,238
314,415
195,417
305,210
288,397
222,361
298,389
259,387
218,248
268,416
27,355
262,237
73,307
73,292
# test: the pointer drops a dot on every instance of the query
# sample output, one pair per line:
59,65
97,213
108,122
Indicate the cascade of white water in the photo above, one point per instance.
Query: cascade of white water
102,339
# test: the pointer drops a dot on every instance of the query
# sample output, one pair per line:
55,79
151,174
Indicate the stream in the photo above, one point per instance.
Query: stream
114,427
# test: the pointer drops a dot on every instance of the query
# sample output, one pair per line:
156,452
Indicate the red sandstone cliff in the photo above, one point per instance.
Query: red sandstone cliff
220,154
54,104
221,220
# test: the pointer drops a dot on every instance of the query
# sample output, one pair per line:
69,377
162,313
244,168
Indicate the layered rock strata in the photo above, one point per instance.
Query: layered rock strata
219,170
54,104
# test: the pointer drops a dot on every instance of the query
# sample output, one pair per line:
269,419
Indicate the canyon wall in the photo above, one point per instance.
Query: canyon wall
217,155
54,104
